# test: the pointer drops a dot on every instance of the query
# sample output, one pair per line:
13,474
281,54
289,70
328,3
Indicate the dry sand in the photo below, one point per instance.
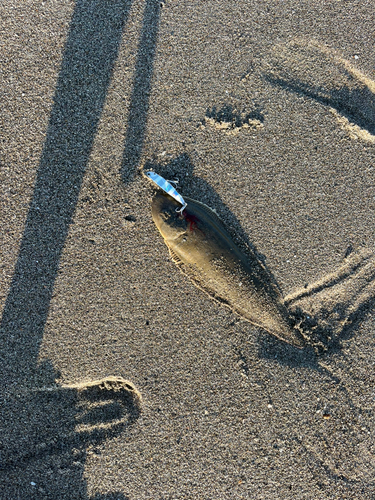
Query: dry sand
265,112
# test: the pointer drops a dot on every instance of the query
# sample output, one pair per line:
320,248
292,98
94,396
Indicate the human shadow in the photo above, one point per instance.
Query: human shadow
91,50
41,424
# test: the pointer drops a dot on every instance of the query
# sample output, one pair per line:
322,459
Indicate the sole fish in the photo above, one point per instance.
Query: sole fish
205,252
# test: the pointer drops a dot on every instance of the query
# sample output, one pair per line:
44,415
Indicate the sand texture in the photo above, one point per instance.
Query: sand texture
120,379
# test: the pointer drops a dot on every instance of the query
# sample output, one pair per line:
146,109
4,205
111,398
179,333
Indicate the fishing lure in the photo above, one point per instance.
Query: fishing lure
167,187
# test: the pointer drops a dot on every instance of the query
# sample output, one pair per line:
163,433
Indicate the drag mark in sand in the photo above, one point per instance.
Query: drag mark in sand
331,307
312,69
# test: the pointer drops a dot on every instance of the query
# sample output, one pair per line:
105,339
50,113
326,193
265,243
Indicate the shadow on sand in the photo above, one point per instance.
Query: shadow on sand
326,312
310,69
43,454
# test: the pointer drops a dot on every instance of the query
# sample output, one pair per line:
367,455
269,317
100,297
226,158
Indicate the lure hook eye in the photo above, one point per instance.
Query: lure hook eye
179,210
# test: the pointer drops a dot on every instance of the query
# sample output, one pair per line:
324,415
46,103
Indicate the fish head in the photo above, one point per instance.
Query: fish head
170,223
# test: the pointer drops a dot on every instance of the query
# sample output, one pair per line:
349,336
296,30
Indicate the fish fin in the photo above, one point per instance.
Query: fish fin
187,270
210,292
176,259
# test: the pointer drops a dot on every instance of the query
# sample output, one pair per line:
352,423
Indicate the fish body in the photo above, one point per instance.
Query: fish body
204,250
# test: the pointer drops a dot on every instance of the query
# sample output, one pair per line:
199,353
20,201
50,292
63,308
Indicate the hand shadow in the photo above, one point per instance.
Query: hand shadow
44,452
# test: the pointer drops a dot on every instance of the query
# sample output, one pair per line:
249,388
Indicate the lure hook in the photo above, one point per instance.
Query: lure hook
173,183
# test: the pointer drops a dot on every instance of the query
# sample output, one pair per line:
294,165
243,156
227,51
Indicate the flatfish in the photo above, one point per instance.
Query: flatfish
204,251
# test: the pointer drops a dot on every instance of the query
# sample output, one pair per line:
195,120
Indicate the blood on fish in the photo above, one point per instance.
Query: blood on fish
191,219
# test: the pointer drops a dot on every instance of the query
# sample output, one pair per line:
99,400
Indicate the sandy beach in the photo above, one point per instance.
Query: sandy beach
121,379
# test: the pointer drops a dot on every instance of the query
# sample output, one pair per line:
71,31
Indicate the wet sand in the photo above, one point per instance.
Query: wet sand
119,378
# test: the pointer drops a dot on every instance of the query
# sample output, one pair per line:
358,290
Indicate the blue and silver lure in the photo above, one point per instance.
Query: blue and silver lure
167,188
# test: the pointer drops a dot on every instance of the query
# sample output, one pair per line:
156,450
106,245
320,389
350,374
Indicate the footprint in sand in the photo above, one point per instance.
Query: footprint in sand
64,418
231,121
105,406
311,69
